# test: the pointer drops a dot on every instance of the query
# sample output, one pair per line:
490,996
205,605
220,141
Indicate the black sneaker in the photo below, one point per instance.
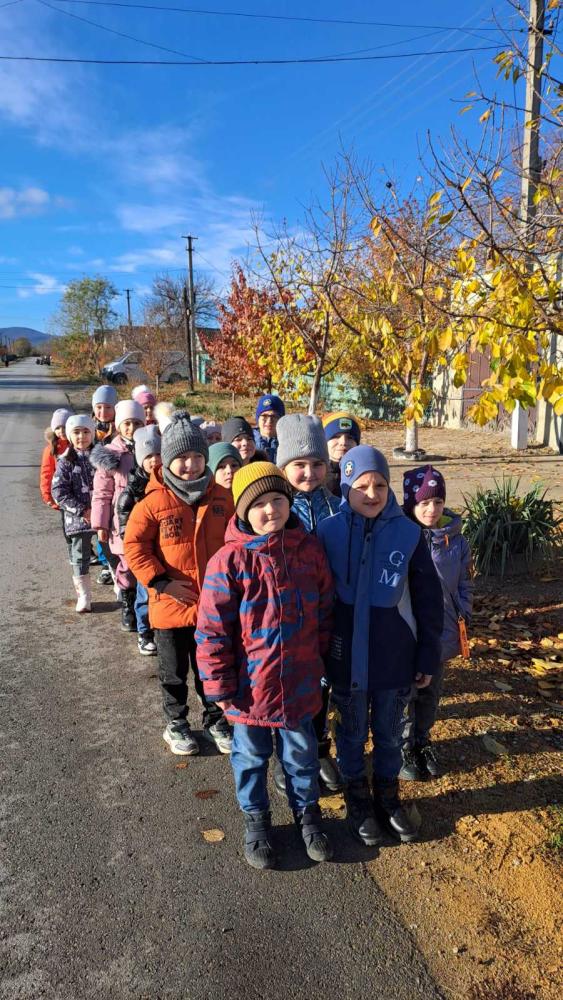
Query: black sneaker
104,577
258,849
317,844
412,768
427,758
392,814
360,813
329,775
146,644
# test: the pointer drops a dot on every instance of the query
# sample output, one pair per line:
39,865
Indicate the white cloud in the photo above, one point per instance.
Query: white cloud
26,201
44,284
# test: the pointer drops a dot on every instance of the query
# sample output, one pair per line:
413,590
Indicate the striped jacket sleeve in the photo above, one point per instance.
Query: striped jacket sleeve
218,628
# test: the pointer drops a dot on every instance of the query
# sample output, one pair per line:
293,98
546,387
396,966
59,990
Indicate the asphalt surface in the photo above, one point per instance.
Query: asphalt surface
107,886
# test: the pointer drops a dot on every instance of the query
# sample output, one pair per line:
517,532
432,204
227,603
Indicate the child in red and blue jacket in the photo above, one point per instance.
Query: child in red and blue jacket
263,628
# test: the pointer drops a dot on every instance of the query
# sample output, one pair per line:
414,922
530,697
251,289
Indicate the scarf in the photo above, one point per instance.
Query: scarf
188,492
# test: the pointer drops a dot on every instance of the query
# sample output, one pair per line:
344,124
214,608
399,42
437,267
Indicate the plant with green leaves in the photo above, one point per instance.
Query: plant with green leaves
501,525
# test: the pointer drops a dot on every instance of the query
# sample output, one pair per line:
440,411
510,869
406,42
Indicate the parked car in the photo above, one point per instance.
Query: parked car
129,368
44,359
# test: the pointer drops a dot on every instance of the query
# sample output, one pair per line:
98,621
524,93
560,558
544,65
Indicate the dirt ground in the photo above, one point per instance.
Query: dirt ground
481,891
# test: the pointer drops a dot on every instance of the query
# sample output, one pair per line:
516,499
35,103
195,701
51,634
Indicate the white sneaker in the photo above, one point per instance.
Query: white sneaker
179,737
146,646
220,734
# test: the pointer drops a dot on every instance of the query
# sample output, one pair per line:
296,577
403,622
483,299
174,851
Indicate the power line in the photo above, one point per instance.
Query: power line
309,60
113,31
270,17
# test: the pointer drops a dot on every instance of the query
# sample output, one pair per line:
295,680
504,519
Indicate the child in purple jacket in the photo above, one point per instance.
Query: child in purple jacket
425,502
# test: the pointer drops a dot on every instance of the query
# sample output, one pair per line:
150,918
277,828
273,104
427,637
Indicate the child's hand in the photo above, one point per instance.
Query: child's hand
422,680
103,535
86,514
181,591
223,705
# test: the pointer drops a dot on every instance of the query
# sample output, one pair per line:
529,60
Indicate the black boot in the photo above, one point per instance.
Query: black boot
279,778
390,813
329,775
128,617
258,849
412,769
360,813
428,761
317,844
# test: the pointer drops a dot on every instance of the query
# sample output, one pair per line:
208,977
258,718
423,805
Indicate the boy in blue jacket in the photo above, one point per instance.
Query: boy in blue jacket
386,637
424,499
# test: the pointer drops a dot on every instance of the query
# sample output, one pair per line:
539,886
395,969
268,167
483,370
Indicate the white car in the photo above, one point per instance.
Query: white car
129,368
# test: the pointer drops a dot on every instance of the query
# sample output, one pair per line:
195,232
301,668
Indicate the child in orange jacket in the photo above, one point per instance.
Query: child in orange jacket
170,536
56,445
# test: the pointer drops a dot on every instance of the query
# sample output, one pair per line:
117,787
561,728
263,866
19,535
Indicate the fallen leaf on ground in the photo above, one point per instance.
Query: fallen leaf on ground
206,793
501,686
213,836
181,766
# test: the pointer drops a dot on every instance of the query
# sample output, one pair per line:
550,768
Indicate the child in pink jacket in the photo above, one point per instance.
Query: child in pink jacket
113,463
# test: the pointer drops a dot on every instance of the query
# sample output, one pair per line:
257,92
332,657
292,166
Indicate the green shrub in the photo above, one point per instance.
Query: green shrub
500,525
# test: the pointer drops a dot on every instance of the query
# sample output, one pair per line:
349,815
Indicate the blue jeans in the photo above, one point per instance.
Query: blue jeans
296,750
383,711
142,609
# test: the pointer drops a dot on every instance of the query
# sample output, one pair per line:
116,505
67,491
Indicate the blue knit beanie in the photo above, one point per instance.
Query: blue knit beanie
362,458
105,394
270,402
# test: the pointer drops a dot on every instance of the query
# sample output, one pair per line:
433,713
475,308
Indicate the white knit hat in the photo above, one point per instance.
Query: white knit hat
79,420
128,409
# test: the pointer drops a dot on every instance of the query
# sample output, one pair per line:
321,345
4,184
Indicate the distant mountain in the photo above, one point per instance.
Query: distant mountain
13,332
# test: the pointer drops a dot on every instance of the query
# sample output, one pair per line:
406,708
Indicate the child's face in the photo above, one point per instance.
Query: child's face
81,438
151,463
128,427
212,436
189,466
60,431
246,446
369,493
339,445
267,423
104,412
429,512
225,472
268,513
306,474
149,411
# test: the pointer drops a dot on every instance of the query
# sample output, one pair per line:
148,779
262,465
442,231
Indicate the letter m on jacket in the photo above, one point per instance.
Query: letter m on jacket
390,580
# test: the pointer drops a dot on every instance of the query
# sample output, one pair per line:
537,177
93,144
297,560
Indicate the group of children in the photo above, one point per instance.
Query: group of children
276,566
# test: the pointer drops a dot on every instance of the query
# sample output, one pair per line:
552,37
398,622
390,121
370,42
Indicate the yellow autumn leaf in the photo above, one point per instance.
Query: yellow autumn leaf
213,836
466,183
435,198
486,115
446,217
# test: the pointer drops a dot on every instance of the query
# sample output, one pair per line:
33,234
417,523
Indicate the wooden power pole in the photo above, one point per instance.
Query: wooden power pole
531,164
191,305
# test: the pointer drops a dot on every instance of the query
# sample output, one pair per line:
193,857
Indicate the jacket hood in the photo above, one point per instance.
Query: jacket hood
449,530
106,457
235,535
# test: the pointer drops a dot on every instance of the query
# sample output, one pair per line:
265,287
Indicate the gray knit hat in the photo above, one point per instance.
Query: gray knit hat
235,426
147,442
300,436
179,436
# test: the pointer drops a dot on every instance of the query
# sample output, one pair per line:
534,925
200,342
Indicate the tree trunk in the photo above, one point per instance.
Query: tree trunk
315,388
411,437
157,385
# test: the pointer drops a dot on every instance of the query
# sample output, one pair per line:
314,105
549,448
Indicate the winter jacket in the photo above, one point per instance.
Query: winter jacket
55,447
451,556
104,431
263,626
137,482
312,508
72,489
167,539
333,479
113,463
268,446
389,609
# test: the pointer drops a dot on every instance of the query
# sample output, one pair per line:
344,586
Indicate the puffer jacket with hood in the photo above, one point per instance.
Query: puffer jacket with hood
312,508
72,489
168,539
54,448
451,556
263,625
113,463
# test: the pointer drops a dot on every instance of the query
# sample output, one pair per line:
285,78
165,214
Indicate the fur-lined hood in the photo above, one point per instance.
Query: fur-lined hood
106,457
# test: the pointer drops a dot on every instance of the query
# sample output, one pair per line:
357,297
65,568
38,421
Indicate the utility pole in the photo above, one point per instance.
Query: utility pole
128,294
191,305
186,311
531,165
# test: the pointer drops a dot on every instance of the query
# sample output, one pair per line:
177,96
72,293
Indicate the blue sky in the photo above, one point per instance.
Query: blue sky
104,167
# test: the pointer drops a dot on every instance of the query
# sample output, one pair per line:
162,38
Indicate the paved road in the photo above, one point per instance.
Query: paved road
107,887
